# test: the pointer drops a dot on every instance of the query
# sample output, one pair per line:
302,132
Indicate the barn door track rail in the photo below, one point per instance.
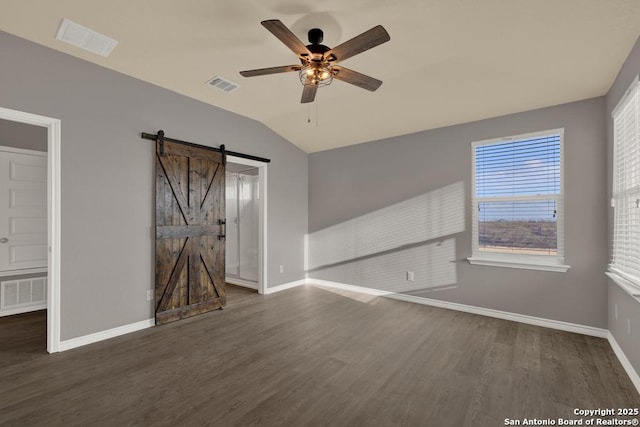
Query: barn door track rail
222,150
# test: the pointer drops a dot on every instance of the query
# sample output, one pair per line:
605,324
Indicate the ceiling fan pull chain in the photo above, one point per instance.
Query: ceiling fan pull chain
317,111
309,114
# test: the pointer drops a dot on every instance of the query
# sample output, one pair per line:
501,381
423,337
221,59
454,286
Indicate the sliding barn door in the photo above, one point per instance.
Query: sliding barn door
189,231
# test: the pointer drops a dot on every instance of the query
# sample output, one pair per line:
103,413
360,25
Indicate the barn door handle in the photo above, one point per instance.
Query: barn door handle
4,240
223,229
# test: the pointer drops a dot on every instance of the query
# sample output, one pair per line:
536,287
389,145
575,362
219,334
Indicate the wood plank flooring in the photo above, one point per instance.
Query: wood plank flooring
309,356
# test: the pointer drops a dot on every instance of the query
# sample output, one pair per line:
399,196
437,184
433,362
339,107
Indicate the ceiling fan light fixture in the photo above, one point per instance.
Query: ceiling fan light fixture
318,61
316,75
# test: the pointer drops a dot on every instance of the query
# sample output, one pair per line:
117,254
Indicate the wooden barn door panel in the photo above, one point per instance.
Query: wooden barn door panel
189,231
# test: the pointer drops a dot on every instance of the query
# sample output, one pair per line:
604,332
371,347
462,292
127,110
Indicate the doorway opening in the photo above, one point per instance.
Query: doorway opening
23,218
242,234
21,255
246,231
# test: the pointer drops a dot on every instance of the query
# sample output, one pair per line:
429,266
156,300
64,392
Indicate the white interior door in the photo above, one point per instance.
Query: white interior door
232,263
248,225
23,210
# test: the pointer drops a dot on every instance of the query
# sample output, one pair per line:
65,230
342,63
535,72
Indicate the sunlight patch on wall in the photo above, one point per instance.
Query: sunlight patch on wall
423,218
433,266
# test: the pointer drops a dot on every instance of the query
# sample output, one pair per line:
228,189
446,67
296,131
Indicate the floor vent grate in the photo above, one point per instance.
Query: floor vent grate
22,295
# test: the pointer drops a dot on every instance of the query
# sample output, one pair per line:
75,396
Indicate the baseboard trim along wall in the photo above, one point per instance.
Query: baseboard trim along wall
133,327
626,364
242,283
103,335
505,315
285,286
20,310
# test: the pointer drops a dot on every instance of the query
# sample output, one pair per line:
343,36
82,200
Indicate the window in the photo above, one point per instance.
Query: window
518,201
625,260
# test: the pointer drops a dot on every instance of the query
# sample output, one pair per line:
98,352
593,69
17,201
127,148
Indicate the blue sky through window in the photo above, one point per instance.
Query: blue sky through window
518,168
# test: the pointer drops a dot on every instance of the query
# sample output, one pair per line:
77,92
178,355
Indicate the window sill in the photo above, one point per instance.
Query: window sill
629,287
525,263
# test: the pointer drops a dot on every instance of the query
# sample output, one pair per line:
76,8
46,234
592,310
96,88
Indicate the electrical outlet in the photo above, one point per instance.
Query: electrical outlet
615,311
149,295
410,276
281,268
628,326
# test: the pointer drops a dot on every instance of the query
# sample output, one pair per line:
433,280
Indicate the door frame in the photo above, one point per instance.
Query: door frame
262,217
54,140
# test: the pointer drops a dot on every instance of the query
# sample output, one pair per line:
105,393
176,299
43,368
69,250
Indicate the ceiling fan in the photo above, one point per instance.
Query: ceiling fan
318,61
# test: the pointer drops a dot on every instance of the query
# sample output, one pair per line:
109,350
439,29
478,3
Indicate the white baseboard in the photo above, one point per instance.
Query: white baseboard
285,286
344,286
240,282
103,335
125,329
626,364
20,310
505,315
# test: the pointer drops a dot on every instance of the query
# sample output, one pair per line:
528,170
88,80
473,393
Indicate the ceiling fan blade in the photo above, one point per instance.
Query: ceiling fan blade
308,93
355,78
365,41
278,29
270,70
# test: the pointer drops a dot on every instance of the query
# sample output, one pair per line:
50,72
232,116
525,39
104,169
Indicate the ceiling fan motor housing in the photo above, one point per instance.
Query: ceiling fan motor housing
315,36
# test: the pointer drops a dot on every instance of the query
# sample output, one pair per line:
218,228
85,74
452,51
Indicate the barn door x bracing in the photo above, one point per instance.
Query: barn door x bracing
189,231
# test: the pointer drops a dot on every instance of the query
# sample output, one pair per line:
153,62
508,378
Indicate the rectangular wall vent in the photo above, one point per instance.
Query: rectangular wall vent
22,295
223,84
85,38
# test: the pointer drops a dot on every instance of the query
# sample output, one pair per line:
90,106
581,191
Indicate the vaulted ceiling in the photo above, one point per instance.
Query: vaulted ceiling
448,61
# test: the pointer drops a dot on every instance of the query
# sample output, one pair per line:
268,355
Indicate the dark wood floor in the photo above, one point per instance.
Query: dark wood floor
309,356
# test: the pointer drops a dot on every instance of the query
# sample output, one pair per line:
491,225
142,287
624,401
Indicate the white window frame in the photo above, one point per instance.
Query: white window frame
526,261
622,278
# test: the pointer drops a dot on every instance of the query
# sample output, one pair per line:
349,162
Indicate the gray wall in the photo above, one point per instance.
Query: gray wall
628,308
348,183
21,135
108,181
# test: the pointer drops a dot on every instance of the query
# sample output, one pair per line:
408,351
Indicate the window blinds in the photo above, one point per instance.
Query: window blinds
518,195
626,186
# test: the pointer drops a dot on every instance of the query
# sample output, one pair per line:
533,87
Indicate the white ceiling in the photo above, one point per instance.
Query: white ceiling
448,61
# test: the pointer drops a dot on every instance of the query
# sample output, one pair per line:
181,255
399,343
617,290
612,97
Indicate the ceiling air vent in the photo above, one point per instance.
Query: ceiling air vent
85,38
222,84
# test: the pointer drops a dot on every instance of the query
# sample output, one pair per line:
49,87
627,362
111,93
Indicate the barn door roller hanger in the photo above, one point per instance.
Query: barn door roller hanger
222,150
